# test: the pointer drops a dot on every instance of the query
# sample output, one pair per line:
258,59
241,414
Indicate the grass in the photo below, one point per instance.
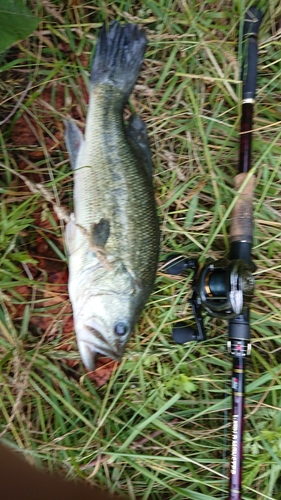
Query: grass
159,428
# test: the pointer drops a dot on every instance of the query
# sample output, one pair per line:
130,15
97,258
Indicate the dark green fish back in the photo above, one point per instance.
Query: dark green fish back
129,202
121,164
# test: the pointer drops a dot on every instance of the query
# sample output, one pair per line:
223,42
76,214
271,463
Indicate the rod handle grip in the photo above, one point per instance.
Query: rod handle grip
241,228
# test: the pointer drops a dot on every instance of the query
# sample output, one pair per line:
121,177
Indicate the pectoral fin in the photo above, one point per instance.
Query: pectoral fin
70,237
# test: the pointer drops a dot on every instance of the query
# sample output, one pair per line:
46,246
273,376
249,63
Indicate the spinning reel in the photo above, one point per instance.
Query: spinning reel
224,289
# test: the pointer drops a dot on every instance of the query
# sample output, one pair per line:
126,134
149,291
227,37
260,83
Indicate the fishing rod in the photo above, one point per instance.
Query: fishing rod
224,288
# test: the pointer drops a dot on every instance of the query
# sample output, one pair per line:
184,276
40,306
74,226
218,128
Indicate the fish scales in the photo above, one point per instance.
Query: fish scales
114,205
116,187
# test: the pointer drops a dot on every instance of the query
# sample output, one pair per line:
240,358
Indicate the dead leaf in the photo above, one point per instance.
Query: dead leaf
45,131
105,368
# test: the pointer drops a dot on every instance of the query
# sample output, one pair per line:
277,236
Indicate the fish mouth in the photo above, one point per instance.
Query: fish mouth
89,353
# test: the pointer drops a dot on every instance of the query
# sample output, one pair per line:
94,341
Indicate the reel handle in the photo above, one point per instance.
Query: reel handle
183,333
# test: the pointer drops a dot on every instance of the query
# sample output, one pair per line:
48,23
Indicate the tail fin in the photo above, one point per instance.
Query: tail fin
119,56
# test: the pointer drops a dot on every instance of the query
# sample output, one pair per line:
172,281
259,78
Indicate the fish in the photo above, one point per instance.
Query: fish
112,238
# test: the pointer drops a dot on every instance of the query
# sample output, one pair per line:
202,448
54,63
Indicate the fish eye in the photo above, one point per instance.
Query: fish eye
120,329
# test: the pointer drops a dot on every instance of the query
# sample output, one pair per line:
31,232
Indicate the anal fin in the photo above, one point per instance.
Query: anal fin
73,140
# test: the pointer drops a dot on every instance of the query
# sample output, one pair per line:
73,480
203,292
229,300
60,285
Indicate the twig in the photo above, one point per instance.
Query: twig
62,213
17,105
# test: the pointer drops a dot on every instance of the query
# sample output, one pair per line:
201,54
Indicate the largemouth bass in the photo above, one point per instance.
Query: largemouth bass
113,237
